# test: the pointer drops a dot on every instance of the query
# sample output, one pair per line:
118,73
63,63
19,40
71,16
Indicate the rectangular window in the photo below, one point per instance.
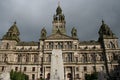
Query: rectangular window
16,68
102,67
77,68
19,58
33,76
40,69
51,45
76,59
35,58
33,68
49,58
69,57
75,46
2,68
94,68
77,76
25,68
85,68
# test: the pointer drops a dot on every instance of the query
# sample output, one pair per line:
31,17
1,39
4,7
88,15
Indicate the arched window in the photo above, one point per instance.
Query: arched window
19,58
51,45
112,45
115,57
5,57
101,57
48,76
27,57
77,76
93,56
84,57
69,45
35,58
59,47
7,46
69,75
48,58
69,57
89,58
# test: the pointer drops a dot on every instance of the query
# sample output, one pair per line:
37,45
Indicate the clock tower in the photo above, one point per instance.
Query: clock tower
59,21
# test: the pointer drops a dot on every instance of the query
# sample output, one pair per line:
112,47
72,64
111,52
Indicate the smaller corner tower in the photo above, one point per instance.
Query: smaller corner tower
74,32
12,34
43,34
107,37
11,38
59,21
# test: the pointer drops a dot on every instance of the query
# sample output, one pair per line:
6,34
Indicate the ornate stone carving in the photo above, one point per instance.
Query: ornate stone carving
74,32
43,33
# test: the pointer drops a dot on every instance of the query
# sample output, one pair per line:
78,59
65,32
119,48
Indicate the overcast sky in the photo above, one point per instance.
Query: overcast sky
85,15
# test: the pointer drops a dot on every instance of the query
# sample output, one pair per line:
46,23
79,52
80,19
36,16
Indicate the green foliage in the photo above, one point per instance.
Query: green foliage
93,76
18,76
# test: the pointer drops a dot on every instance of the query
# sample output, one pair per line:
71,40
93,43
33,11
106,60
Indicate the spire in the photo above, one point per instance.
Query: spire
15,22
58,10
58,3
14,28
102,21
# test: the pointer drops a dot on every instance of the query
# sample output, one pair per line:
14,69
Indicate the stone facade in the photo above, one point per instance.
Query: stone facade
80,57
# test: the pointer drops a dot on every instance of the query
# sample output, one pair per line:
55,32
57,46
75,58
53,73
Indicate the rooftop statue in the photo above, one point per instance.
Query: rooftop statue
43,33
74,32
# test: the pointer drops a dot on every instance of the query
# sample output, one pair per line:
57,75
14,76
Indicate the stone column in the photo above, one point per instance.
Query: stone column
73,72
64,73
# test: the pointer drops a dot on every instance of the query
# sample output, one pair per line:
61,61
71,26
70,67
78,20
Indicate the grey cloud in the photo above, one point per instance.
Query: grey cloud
85,15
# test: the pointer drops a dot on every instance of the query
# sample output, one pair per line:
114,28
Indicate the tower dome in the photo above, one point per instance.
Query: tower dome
12,34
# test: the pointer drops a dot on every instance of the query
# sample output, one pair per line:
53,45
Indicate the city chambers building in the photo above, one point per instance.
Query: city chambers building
79,57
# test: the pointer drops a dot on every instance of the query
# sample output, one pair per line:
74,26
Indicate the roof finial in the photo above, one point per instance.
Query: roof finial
15,22
103,21
58,3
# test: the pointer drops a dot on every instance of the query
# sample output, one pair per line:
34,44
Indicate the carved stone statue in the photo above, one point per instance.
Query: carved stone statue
74,32
43,33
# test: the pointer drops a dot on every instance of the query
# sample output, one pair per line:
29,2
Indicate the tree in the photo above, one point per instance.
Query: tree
93,76
18,76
